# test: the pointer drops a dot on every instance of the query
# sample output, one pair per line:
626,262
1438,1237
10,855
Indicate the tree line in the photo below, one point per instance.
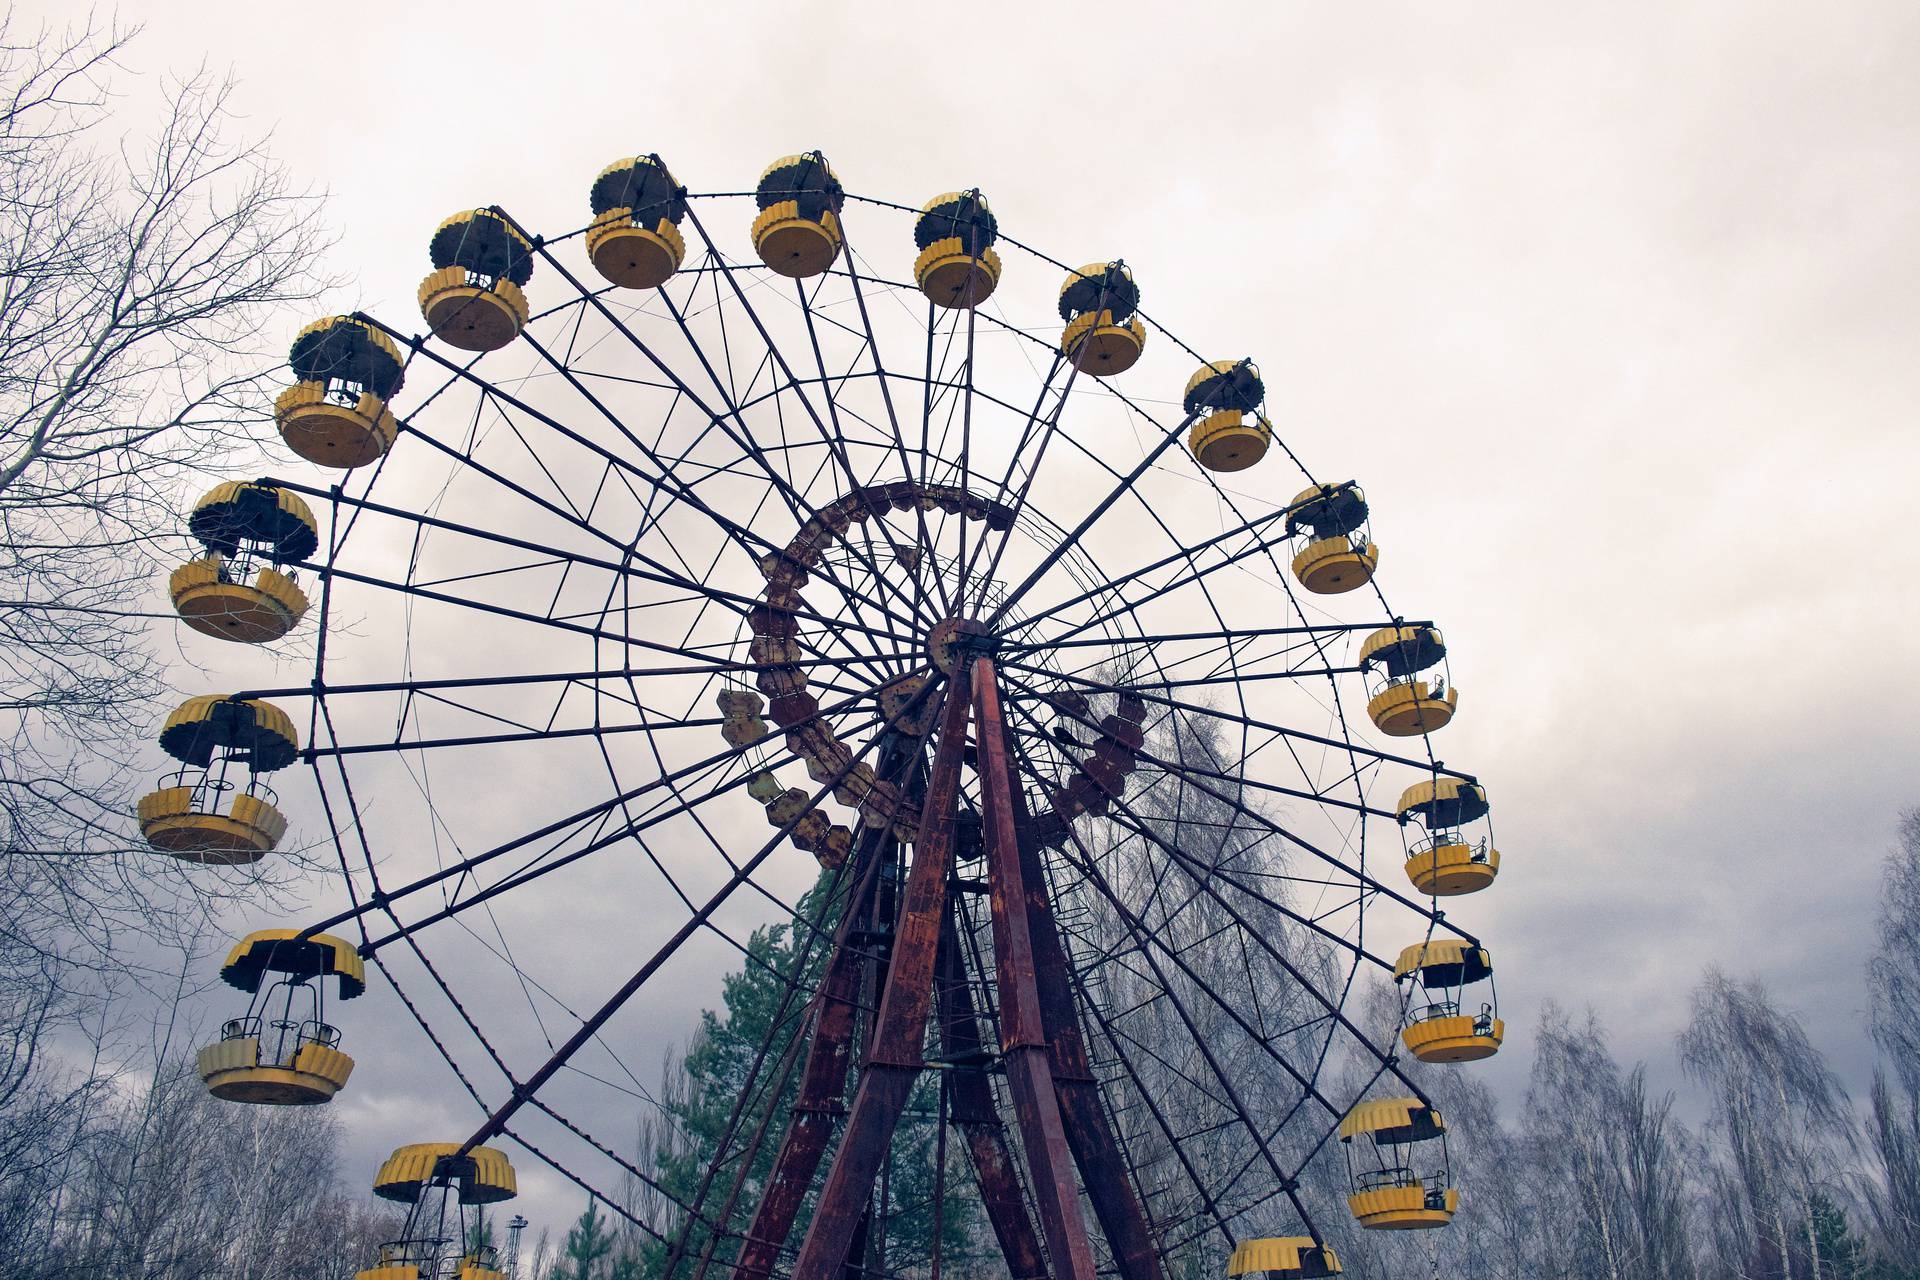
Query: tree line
148,1175
1592,1177
1592,1174
1783,1177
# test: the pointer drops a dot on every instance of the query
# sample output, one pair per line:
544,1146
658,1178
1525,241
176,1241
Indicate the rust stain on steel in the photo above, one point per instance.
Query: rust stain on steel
1095,1149
974,1114
816,1105
1022,1032
895,1058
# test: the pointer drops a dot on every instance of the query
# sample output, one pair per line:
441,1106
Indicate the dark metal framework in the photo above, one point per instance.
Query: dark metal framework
529,605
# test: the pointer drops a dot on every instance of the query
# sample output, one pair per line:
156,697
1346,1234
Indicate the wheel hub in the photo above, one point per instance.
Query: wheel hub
951,639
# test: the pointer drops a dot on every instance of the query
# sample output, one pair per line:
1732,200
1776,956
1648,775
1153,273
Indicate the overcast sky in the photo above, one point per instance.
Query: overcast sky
1610,307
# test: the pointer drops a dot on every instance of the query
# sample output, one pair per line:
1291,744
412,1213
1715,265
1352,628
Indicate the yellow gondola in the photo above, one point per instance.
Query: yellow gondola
957,266
398,1261
1283,1258
634,240
1391,1190
1329,526
228,593
1103,335
439,1182
1401,703
797,232
335,414
1440,1030
1448,860
1219,397
282,1052
199,814
482,1175
475,298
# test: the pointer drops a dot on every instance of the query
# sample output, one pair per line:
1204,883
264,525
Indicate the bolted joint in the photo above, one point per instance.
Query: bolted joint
976,641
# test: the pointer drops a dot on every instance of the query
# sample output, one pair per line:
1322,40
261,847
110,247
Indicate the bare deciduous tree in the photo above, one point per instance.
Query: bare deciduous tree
1893,982
1609,1149
1893,1135
160,1180
1202,998
1781,1123
1894,972
136,277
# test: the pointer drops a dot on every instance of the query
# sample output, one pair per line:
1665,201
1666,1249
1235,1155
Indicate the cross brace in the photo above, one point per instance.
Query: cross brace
1056,1099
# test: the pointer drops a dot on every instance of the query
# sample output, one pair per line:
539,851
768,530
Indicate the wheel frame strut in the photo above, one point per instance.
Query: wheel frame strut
1057,1105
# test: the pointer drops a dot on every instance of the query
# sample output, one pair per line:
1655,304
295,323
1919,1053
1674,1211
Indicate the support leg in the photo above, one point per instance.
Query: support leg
1096,1151
979,1123
816,1106
896,1058
1022,1032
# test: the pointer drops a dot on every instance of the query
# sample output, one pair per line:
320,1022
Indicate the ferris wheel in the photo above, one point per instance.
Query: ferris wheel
792,557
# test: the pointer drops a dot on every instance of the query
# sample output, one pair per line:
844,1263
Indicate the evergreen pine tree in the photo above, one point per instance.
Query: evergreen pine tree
1841,1255
479,1233
711,1076
588,1243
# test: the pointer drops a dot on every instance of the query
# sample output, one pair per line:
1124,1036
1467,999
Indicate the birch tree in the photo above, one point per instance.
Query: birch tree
1893,983
165,1182
1782,1124
1608,1155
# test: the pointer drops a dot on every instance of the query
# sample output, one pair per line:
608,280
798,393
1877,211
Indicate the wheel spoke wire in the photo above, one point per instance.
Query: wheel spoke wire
627,493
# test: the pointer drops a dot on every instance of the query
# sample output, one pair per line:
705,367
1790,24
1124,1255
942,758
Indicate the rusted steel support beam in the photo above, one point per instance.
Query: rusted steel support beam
856,1264
1023,1038
816,1106
973,1112
1103,1171
897,1054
